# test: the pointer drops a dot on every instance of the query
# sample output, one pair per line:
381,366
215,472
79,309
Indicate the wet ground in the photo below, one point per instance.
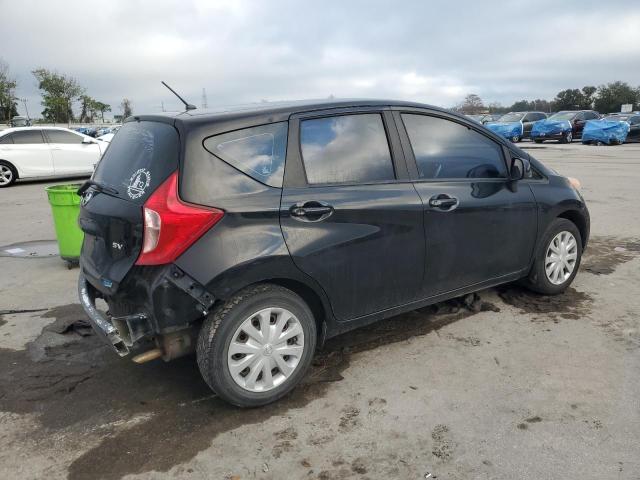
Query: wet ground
500,384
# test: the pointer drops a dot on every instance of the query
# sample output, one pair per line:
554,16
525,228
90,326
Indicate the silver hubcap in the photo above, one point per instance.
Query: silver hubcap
561,257
266,349
569,137
6,175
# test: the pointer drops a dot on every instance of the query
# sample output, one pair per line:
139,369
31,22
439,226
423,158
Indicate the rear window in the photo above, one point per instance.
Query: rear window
139,158
6,139
256,151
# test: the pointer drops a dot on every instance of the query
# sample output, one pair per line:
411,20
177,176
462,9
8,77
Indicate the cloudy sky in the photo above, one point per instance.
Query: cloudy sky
248,51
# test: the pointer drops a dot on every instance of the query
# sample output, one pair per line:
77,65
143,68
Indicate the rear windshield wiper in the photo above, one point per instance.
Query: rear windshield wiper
99,186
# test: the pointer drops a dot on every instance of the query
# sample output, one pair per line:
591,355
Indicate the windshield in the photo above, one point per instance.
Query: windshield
560,116
511,117
139,158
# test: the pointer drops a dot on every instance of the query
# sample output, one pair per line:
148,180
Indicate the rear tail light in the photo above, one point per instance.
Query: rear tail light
171,225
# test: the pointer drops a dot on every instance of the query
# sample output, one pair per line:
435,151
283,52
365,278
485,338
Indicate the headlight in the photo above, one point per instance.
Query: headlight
574,182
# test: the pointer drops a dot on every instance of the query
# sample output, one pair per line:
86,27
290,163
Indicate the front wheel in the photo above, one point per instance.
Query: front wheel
515,138
567,138
557,258
257,346
8,174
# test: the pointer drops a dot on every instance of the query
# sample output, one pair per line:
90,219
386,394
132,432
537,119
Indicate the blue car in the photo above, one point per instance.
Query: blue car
515,126
562,126
608,131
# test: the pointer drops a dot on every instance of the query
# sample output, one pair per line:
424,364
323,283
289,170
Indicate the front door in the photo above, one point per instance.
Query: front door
527,124
28,151
351,218
478,225
70,155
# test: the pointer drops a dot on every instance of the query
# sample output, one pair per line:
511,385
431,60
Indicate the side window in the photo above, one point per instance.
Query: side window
6,139
580,116
529,117
540,116
634,120
60,136
346,149
256,151
27,136
446,149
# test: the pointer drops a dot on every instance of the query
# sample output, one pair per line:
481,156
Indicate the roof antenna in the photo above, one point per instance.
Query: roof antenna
187,106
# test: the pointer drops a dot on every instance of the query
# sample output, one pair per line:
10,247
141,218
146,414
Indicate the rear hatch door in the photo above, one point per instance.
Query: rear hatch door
139,158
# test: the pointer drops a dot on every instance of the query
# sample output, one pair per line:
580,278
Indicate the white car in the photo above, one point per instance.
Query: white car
35,152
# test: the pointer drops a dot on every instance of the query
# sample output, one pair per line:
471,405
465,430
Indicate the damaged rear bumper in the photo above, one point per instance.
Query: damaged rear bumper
102,326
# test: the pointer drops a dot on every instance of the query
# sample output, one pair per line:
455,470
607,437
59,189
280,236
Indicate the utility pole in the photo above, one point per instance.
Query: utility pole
204,98
24,102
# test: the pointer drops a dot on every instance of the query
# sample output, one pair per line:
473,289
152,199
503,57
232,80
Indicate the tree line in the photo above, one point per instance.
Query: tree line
604,99
60,94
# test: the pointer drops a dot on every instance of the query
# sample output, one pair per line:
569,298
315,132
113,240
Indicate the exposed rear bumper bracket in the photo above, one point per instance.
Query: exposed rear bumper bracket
190,286
102,326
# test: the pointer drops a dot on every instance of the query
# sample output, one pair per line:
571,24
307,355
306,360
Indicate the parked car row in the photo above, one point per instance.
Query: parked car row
36,152
96,132
566,126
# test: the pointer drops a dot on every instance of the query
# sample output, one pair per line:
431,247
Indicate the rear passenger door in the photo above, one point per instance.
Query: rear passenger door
478,225
578,124
350,216
527,124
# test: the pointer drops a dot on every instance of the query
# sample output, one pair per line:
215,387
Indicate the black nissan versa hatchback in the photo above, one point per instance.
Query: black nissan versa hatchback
251,235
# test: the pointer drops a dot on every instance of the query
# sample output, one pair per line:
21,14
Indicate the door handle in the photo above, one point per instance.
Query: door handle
311,211
443,202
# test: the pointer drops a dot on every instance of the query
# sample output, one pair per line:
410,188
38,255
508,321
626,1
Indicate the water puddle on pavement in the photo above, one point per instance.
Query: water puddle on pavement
604,254
67,365
33,249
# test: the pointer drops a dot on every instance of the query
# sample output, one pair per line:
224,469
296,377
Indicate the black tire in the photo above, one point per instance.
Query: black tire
567,138
11,170
219,328
515,139
537,279
537,140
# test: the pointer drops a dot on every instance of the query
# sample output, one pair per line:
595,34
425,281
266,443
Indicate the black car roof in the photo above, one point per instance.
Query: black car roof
274,111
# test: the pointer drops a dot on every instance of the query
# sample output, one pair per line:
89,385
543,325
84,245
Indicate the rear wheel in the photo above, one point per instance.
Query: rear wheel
256,347
8,174
557,258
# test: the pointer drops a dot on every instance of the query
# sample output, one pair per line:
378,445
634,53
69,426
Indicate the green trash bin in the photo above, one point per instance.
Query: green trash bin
65,206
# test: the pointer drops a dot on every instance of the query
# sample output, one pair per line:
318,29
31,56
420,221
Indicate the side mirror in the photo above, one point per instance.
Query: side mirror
520,169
